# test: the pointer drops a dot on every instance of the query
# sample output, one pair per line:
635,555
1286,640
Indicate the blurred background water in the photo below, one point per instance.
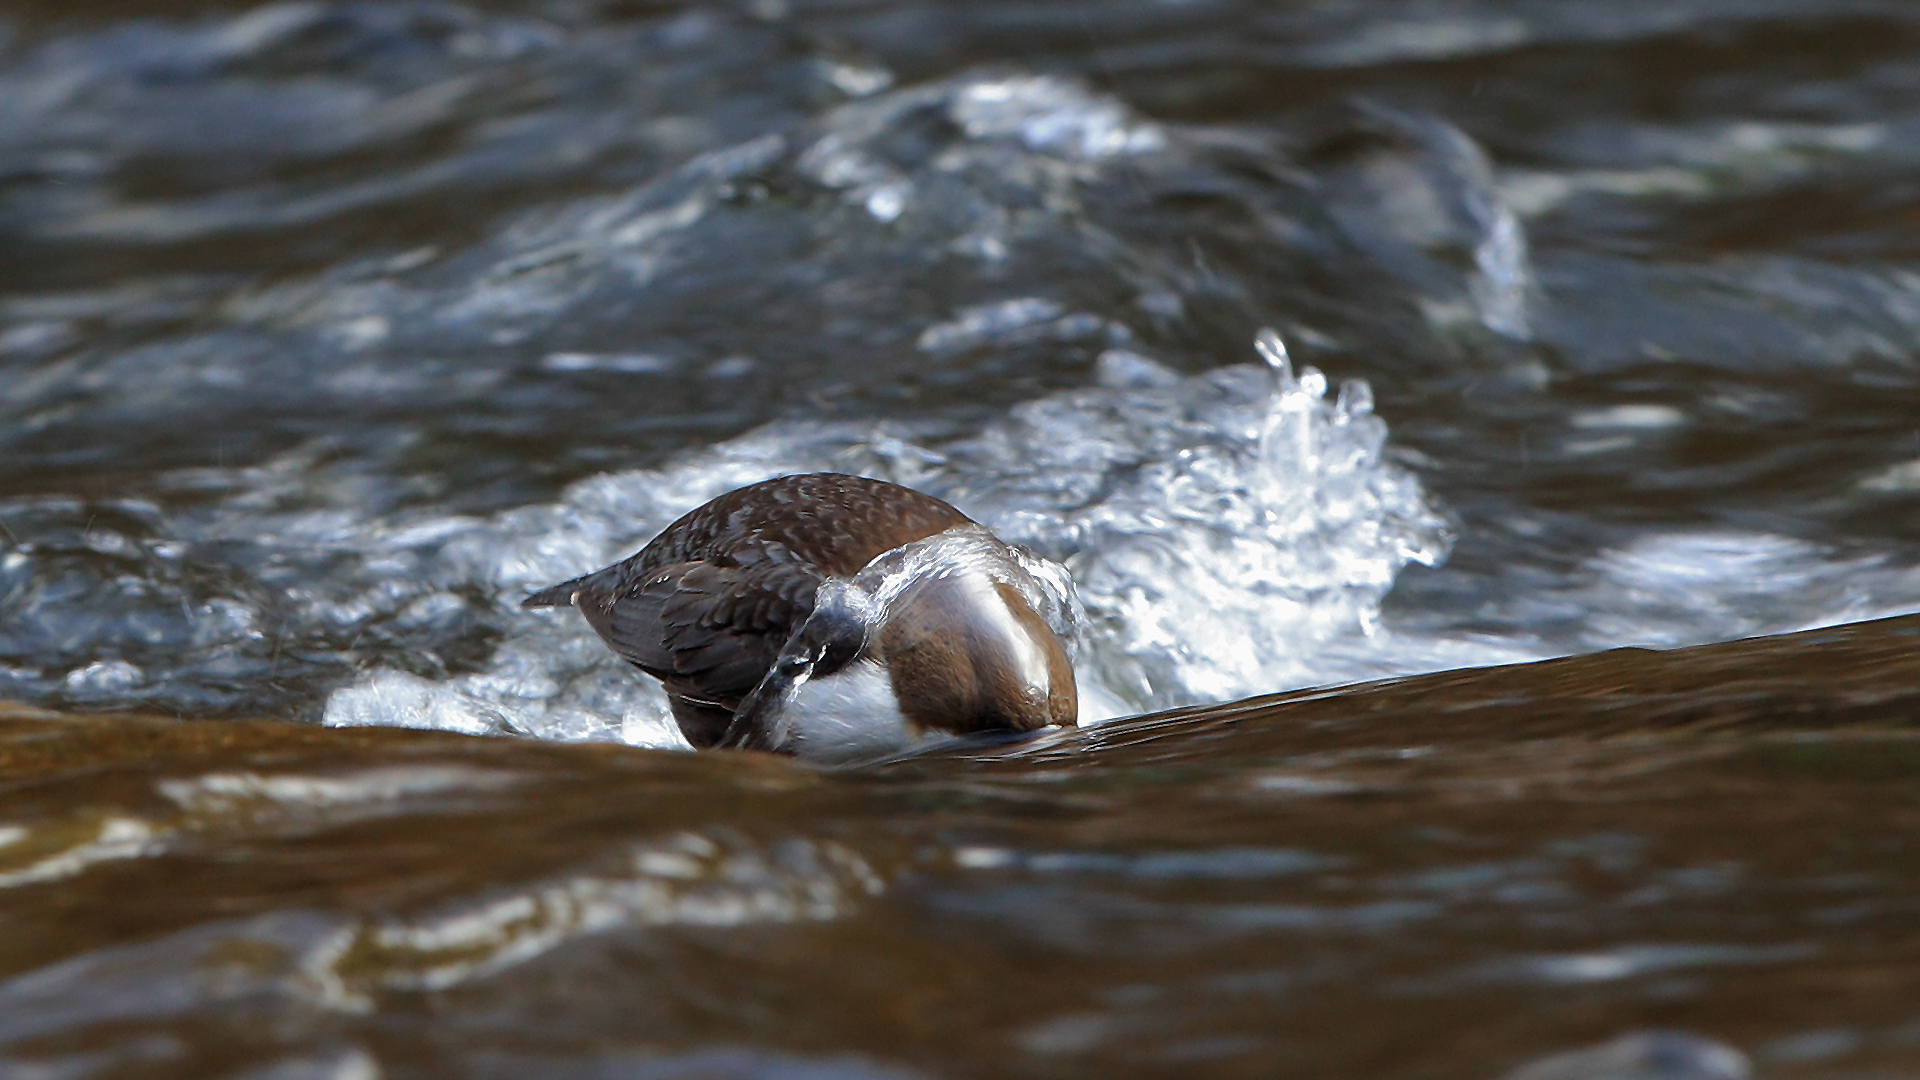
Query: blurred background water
329,329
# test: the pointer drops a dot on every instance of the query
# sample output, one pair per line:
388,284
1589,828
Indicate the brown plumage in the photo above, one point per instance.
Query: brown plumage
733,590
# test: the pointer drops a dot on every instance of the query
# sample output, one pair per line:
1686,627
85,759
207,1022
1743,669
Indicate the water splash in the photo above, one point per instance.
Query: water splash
1228,533
1221,529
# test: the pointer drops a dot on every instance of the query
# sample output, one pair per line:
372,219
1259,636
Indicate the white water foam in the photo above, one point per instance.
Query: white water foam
1668,589
1231,533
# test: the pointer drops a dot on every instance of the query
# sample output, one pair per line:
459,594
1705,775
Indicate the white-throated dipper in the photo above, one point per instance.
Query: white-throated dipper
834,617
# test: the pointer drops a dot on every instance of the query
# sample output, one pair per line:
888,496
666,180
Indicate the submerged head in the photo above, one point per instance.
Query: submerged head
968,653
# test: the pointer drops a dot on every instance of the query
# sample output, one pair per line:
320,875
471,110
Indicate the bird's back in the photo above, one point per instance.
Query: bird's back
832,521
707,604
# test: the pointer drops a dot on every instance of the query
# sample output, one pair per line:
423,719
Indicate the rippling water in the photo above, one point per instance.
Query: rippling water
329,329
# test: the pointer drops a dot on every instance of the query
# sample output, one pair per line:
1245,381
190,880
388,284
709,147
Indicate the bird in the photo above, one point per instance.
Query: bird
835,617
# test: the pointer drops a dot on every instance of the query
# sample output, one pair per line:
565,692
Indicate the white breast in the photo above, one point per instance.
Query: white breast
848,715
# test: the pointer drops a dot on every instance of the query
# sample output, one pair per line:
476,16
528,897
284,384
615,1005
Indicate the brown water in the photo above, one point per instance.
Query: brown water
1436,877
330,329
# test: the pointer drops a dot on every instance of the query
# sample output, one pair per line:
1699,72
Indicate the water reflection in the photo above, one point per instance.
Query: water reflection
1498,895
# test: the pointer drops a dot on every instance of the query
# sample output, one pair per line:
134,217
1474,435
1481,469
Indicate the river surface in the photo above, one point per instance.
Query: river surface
1321,341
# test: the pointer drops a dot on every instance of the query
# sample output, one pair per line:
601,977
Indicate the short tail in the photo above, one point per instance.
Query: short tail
560,595
598,585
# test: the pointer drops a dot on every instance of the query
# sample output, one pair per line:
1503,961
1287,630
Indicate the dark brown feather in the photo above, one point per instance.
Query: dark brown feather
831,521
706,606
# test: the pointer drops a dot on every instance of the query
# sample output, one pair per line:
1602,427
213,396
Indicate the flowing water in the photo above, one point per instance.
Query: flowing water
1320,341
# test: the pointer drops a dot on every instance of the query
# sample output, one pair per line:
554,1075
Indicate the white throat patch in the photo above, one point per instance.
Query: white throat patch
849,715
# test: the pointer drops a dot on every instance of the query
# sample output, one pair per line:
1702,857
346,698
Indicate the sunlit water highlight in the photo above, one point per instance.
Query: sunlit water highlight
1223,531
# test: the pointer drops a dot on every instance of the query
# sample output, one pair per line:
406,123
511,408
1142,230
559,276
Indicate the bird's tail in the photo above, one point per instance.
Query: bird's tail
599,586
560,595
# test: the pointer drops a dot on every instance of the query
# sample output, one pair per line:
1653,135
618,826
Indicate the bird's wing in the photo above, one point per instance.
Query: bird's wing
708,629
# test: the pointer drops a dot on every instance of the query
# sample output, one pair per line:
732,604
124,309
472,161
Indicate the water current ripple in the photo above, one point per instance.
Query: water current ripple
328,328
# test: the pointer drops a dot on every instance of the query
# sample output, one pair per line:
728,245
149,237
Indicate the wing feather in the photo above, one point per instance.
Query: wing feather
709,630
